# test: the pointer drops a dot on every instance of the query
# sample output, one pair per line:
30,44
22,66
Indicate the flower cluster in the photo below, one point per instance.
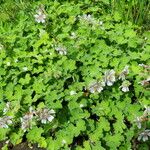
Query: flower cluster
125,86
145,82
144,135
96,87
109,79
124,73
87,18
45,115
26,120
6,109
142,118
61,50
147,111
144,66
5,121
138,121
40,16
145,74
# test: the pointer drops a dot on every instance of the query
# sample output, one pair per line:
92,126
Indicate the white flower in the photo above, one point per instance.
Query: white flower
5,121
61,50
145,82
138,121
40,16
25,68
46,115
26,120
109,77
87,18
73,92
144,135
73,35
124,73
125,86
144,66
96,87
5,110
147,110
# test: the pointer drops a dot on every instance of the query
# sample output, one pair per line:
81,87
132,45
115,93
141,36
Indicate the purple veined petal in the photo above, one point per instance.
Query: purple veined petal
44,16
145,138
139,125
9,122
99,89
3,125
103,83
43,21
139,137
92,90
50,118
65,53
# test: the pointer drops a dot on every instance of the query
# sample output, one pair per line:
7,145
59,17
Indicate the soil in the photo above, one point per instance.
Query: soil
21,146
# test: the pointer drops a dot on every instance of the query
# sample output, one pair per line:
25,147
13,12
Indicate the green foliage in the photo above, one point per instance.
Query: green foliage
76,79
136,11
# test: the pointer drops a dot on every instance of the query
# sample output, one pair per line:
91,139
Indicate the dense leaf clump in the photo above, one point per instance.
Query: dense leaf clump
73,77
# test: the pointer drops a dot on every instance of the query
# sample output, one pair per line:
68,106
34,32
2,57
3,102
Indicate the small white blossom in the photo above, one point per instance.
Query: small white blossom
61,50
145,82
87,18
73,35
109,77
40,16
147,110
5,110
73,92
26,120
124,73
125,86
138,122
46,115
144,135
25,68
144,66
5,121
96,87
